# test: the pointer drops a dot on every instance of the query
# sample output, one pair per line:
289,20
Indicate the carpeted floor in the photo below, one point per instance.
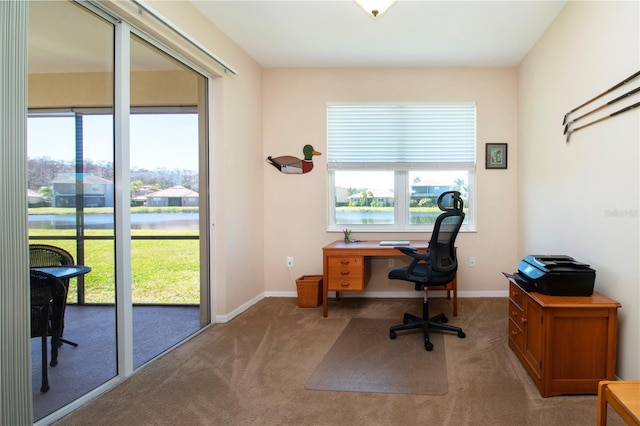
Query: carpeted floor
252,371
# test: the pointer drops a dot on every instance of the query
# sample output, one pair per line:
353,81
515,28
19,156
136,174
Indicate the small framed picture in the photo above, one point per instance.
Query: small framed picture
496,156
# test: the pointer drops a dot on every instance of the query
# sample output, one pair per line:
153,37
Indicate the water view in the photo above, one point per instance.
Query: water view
163,221
365,217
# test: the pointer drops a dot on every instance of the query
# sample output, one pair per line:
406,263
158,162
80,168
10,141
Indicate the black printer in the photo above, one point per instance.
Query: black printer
555,275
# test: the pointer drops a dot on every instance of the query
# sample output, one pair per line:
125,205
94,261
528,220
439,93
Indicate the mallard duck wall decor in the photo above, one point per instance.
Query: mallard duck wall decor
291,164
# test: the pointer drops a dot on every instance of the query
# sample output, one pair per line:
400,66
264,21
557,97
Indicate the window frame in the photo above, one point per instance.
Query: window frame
402,186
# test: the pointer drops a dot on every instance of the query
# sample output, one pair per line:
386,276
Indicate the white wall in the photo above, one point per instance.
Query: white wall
568,193
295,209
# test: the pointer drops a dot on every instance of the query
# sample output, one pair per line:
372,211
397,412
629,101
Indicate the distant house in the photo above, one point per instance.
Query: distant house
139,195
378,197
430,189
96,191
34,198
174,196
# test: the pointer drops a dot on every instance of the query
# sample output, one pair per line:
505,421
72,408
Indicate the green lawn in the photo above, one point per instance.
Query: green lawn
163,271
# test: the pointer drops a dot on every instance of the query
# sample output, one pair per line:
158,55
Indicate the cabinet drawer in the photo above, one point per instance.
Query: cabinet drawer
516,294
516,314
516,334
346,283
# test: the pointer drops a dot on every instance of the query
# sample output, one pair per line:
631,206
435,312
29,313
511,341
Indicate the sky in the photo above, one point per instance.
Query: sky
157,140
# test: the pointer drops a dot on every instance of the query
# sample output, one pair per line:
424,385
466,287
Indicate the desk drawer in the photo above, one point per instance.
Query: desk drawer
337,263
351,283
346,267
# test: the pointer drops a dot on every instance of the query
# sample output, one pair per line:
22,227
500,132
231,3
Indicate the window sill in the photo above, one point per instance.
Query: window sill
385,229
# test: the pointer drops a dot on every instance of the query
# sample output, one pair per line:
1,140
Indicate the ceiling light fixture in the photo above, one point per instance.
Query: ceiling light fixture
375,7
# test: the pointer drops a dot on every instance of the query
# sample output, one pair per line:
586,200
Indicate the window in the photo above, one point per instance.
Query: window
388,163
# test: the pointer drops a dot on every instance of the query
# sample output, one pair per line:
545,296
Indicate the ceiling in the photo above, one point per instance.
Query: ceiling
326,33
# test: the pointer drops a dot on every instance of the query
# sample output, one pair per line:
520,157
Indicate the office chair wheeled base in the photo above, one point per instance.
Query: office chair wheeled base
438,322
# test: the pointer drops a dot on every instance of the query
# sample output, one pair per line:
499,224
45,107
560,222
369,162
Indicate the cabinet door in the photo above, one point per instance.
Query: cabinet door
579,338
533,335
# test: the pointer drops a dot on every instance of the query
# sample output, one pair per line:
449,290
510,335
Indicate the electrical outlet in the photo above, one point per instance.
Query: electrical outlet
472,262
390,263
289,262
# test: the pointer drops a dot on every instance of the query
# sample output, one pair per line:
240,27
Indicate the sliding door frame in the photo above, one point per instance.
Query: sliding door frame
122,220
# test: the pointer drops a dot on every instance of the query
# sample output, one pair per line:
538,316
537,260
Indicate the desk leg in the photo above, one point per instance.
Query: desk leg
455,295
325,286
602,403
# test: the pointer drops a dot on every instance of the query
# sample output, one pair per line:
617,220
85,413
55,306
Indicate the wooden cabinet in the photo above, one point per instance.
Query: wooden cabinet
566,343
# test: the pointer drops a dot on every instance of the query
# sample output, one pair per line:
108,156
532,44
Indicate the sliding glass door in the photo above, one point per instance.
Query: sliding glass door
70,148
76,198
165,141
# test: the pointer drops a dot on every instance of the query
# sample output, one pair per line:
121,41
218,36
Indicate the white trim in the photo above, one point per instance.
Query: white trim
240,309
209,159
122,226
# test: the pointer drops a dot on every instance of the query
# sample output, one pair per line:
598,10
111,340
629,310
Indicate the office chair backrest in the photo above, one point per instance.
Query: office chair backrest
445,231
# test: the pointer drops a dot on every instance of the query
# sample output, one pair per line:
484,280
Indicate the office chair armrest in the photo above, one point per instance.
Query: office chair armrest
417,258
413,252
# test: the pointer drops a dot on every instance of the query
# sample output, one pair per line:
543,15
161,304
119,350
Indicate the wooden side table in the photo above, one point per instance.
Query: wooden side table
623,396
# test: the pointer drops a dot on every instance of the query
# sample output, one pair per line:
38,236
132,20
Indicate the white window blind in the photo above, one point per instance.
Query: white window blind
405,136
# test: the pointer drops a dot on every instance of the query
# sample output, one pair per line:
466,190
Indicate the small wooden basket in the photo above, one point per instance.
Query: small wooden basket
309,291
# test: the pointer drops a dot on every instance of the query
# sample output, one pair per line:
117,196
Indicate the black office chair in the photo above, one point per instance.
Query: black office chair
42,255
436,267
47,299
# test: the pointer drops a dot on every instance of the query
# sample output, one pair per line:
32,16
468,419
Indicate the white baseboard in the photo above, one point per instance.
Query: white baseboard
240,309
396,294
366,294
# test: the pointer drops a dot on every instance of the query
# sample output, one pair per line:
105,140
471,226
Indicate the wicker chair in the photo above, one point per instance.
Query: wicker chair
42,255
48,296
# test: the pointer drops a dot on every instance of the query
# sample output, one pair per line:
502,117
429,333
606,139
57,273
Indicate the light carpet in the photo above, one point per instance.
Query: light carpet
252,372
364,359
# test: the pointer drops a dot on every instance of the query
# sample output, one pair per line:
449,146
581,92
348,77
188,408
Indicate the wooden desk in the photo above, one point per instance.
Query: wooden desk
347,267
623,396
